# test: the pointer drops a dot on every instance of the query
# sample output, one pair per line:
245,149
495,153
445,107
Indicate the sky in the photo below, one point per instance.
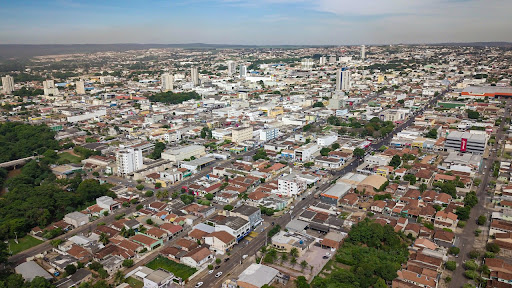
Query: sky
254,22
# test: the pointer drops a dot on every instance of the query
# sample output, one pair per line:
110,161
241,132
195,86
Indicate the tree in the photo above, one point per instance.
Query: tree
70,269
260,154
318,104
149,193
358,152
411,178
472,114
423,187
128,263
158,185
149,221
471,199
454,250
395,161
228,207
119,277
432,133
470,265
335,146
492,247
284,257
293,261
162,194
139,187
209,196
383,148
187,198
325,151
451,265
473,254
301,282
463,213
104,238
303,264
218,261
294,252
481,220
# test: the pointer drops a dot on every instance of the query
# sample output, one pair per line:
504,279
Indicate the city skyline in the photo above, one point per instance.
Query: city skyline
266,22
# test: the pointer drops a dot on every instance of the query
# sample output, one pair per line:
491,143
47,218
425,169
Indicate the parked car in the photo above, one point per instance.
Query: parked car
199,284
218,275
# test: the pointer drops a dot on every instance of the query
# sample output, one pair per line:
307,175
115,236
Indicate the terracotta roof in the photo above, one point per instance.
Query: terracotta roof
147,241
199,253
222,236
172,228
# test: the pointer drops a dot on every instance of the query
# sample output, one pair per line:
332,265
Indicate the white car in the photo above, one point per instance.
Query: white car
199,284
210,271
328,254
218,275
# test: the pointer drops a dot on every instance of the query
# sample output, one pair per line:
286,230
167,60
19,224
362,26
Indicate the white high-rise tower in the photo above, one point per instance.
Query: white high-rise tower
167,81
194,75
231,68
7,84
80,87
363,52
243,71
343,80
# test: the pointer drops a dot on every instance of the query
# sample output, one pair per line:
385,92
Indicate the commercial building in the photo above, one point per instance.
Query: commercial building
334,194
249,213
257,275
243,71
326,140
286,241
241,134
30,270
343,80
290,185
80,87
307,63
236,226
231,67
183,153
363,52
194,76
87,116
487,91
50,88
305,153
128,160
269,134
7,84
167,81
197,164
76,219
466,142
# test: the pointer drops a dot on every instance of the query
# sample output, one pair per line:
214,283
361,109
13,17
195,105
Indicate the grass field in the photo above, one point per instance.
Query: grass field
68,156
180,270
24,244
134,282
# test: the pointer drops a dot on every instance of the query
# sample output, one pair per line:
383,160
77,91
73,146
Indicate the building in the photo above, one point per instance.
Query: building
322,60
7,84
241,134
326,140
257,275
50,88
107,203
197,257
158,279
305,153
76,219
466,142
180,154
335,193
363,52
269,134
80,87
307,63
249,213
220,242
286,241
128,160
197,164
343,80
290,185
30,270
243,71
194,76
167,81
231,67
236,226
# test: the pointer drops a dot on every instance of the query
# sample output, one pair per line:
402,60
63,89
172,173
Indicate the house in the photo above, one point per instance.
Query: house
286,241
220,241
171,229
76,219
81,275
445,220
197,257
407,278
378,206
249,213
107,203
444,237
147,241
349,200
158,279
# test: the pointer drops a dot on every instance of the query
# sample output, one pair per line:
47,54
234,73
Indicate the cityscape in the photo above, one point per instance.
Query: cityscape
301,165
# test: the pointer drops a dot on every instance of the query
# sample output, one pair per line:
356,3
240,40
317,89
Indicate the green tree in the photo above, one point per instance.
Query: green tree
492,247
301,282
149,193
70,269
318,104
481,220
139,187
303,264
128,263
432,133
104,238
335,146
209,196
451,265
228,207
294,252
358,152
395,161
325,151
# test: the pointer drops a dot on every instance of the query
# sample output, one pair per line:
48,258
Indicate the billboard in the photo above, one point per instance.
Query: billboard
463,144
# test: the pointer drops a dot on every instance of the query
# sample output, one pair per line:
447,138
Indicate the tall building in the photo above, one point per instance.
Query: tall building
363,52
231,68
7,84
167,82
332,59
128,160
307,63
80,87
343,80
243,71
323,60
50,88
194,75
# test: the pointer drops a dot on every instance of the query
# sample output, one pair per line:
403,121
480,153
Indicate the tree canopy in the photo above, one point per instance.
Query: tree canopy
170,97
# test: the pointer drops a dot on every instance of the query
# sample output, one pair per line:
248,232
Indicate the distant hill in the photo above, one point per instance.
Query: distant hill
477,44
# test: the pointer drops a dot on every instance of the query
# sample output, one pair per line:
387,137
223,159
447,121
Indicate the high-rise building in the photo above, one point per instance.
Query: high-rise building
343,80
194,75
128,160
80,87
167,82
7,84
363,52
243,71
332,59
231,68
323,60
49,88
307,63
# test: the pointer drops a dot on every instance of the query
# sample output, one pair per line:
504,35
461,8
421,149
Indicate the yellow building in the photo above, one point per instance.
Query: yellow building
418,142
241,134
272,111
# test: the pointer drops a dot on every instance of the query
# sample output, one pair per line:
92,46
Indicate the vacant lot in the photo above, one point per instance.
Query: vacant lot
66,156
23,244
180,270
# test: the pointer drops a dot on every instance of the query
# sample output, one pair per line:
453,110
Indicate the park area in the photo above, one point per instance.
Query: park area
23,244
179,270
67,157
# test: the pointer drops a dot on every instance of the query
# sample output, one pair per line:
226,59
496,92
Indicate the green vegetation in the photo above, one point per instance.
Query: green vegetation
492,247
411,178
318,104
451,265
358,152
180,270
432,133
157,152
18,140
260,154
325,151
134,282
374,253
228,207
481,220
395,161
274,231
67,157
23,244
472,114
174,98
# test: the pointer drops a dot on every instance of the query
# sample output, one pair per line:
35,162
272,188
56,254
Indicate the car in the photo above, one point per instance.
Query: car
210,271
245,256
199,284
325,257
328,254
226,259
218,275
217,267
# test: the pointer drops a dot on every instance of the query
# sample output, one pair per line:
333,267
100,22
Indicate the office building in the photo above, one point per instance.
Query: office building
107,79
186,152
466,142
194,76
50,88
343,80
326,140
307,63
241,134
290,185
231,68
363,52
80,87
332,59
167,81
269,134
128,161
323,60
7,84
243,71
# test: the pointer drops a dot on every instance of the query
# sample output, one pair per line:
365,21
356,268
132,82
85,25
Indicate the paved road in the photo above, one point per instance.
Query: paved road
467,238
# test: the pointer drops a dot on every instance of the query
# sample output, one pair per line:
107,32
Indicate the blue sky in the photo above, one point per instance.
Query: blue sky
263,22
